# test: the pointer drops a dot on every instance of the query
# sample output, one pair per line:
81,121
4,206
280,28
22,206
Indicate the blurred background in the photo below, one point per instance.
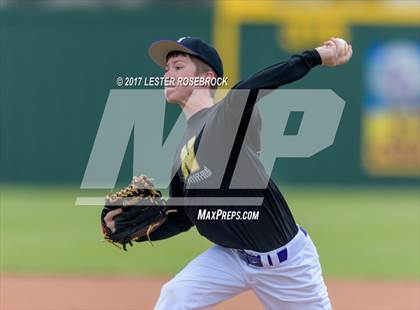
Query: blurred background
59,59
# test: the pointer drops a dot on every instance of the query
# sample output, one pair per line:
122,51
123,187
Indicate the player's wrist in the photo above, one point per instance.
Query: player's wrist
311,58
327,56
316,57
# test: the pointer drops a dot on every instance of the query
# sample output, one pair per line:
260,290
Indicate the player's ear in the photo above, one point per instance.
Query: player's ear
210,74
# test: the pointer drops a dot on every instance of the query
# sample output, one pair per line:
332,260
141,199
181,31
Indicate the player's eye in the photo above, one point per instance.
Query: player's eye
178,68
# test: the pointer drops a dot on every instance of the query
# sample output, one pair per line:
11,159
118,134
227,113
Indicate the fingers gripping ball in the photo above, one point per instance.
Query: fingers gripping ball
342,47
142,211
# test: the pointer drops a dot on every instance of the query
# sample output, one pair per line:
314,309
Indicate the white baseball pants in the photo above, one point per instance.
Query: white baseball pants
219,274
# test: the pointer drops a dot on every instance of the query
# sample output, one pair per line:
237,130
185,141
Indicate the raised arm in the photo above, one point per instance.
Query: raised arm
282,73
331,53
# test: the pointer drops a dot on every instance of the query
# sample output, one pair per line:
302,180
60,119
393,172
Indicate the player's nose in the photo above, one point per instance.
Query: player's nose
168,74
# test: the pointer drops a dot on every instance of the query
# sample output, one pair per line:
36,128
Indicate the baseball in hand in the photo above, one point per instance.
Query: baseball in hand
342,47
335,52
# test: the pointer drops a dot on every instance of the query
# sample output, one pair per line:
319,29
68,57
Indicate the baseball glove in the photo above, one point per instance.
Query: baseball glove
143,211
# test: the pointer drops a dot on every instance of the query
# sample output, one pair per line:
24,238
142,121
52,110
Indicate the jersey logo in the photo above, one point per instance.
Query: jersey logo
189,163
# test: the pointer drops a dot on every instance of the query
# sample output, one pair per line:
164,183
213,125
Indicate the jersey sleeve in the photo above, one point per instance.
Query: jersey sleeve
239,103
272,77
176,223
296,67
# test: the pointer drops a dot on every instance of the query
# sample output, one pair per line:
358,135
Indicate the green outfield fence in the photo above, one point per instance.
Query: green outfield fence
57,68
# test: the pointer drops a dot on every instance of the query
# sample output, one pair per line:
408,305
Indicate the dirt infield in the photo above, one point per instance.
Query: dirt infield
123,293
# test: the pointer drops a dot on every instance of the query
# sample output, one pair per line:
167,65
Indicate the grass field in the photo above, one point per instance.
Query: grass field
360,233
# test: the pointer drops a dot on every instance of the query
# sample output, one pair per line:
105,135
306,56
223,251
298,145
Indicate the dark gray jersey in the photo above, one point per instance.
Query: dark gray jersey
220,141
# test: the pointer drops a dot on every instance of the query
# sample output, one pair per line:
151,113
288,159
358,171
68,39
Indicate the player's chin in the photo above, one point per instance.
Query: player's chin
171,95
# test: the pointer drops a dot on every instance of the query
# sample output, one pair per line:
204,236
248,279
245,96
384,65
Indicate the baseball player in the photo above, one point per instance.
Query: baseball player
267,253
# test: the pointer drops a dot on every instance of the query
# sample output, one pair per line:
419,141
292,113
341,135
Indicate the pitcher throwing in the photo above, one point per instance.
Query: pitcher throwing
257,247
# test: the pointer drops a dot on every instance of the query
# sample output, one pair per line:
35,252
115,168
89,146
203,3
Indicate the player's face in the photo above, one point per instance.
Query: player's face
179,67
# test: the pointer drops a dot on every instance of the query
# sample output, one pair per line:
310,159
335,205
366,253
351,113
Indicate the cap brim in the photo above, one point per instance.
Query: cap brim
160,49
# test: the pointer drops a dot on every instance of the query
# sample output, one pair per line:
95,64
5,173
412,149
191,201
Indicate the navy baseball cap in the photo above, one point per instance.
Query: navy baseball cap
194,46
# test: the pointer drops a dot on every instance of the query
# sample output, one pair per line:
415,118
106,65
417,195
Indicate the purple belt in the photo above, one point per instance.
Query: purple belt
255,260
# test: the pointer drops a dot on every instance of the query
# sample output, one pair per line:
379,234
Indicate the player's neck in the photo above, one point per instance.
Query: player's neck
196,102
